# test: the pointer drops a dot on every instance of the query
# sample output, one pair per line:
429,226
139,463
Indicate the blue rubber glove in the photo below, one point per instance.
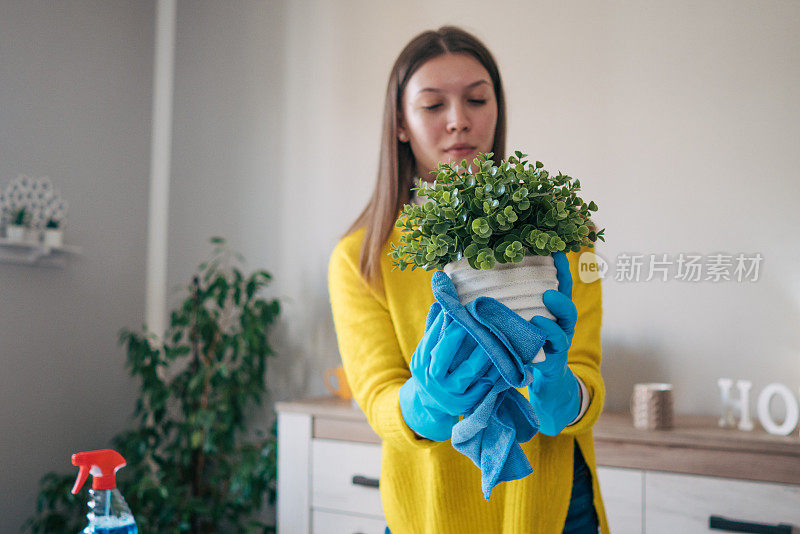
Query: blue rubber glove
554,393
435,395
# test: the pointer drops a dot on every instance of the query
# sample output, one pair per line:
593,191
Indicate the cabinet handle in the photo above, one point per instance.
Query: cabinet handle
716,522
359,480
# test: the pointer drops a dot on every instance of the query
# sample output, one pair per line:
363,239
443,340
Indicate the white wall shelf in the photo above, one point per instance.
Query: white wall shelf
36,254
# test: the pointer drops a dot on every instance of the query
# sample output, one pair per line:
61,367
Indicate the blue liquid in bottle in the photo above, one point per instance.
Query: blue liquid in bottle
109,514
127,529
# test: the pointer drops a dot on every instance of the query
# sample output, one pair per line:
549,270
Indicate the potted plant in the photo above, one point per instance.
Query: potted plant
53,233
493,229
17,227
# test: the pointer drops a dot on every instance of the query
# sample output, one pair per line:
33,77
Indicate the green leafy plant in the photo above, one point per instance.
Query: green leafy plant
19,216
193,465
52,223
493,214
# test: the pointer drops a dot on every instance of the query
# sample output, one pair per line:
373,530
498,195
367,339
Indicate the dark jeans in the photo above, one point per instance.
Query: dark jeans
581,515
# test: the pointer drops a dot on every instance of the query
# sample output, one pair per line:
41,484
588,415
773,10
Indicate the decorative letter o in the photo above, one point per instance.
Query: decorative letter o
792,410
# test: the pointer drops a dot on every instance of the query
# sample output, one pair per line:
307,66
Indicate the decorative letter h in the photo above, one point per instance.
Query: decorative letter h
729,404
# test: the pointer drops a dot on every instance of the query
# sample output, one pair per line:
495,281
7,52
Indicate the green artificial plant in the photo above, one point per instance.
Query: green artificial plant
19,216
493,214
193,462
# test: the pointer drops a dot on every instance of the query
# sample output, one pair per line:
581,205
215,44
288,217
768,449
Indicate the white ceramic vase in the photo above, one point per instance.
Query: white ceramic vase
519,286
15,232
53,237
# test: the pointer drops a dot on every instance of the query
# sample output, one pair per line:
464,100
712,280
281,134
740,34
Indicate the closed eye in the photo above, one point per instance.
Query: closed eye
474,101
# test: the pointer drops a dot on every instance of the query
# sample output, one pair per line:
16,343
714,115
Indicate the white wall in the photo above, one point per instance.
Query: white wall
75,95
227,139
680,118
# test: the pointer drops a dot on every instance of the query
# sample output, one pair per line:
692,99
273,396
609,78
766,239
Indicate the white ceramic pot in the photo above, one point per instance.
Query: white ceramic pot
15,232
53,237
519,286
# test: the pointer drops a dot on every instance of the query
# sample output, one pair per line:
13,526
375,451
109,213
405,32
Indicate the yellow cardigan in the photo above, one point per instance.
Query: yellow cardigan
428,487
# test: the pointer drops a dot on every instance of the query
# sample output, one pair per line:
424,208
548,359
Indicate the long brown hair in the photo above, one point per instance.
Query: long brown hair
396,164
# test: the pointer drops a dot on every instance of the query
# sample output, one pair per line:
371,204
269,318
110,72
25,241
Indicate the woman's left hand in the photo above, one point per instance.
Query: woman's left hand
554,393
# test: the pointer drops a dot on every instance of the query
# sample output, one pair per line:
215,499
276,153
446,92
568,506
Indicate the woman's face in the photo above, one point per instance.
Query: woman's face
448,112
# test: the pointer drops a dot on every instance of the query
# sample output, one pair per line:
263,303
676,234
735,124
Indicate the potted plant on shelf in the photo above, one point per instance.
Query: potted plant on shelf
41,202
16,230
493,229
53,233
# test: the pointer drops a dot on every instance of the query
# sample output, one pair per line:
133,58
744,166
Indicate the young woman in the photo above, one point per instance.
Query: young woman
445,102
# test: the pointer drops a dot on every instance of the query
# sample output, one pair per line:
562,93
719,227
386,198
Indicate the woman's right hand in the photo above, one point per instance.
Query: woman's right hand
435,395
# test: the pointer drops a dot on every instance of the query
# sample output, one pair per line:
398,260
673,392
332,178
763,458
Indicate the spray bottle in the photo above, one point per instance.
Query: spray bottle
108,511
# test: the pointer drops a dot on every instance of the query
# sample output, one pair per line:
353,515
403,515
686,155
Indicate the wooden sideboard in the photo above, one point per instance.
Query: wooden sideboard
655,481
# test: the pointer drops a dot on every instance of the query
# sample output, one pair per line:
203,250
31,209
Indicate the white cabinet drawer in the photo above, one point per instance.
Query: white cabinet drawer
684,503
622,497
330,523
334,468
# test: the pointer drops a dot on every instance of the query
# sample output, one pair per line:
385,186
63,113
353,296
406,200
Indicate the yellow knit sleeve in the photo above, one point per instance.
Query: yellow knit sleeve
585,353
371,355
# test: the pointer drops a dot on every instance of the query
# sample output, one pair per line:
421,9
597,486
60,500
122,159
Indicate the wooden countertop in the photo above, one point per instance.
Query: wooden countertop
696,445
327,405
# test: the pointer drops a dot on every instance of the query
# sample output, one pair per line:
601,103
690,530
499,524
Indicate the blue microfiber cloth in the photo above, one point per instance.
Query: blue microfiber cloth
491,433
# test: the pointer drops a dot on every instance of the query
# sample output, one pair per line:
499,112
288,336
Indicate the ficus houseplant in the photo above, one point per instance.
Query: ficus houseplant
494,227
194,462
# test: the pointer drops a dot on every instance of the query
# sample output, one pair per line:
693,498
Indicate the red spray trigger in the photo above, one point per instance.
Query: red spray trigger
101,464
